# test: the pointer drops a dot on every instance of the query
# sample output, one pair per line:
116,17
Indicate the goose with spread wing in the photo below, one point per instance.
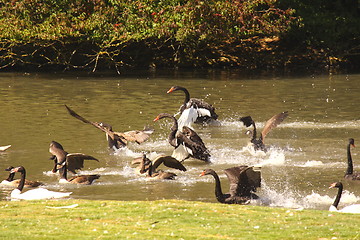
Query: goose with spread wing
270,124
116,140
350,174
151,167
194,110
187,143
243,180
73,161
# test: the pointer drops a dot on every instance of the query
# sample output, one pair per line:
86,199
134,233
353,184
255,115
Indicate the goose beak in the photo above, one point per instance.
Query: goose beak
170,90
353,145
202,174
157,118
332,185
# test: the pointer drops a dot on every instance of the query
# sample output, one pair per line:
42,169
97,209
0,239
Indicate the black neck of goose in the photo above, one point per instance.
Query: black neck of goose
172,135
349,169
22,180
63,172
11,177
218,192
187,95
338,196
254,131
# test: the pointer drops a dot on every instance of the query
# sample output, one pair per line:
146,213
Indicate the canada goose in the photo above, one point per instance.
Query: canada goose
10,181
74,161
33,194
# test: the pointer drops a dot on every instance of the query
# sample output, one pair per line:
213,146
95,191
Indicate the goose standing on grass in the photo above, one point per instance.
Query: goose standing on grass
79,179
116,140
4,148
73,161
33,194
275,120
10,181
350,174
355,208
243,183
187,143
150,167
194,110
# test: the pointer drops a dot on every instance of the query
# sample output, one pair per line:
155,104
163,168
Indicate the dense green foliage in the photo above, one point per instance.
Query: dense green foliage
170,33
168,219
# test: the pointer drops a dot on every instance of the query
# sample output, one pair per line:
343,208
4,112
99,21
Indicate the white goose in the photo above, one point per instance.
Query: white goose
34,194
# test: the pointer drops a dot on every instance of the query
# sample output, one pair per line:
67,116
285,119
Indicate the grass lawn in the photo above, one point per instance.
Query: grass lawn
168,219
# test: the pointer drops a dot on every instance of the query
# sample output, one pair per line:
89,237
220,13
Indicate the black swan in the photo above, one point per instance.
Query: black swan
79,179
10,181
355,208
194,110
186,143
150,167
4,148
116,140
73,161
270,124
33,194
243,182
350,174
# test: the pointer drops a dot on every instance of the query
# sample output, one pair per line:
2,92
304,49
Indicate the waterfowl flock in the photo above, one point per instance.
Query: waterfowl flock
244,180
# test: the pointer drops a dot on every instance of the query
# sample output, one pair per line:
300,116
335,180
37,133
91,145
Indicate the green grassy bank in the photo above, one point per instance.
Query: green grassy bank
168,219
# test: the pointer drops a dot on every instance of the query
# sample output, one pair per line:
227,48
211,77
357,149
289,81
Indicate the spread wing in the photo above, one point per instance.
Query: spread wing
243,179
76,161
136,135
168,161
95,124
273,122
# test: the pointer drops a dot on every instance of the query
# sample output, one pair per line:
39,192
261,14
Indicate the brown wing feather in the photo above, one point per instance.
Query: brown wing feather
243,179
273,122
76,161
95,124
168,161
136,135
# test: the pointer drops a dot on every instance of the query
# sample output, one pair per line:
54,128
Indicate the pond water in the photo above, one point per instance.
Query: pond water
307,151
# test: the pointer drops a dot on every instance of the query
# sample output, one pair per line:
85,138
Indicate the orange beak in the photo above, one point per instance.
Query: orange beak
332,185
202,174
170,90
157,118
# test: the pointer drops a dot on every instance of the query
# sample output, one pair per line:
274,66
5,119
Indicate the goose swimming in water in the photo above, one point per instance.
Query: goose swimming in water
350,174
116,140
150,167
355,208
79,179
194,110
33,194
275,120
243,183
10,181
187,143
73,161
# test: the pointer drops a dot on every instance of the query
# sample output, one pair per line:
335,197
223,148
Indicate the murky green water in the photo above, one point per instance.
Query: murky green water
308,150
